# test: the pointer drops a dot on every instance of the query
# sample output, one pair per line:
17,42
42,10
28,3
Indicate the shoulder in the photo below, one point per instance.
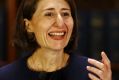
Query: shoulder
11,70
76,59
16,70
77,67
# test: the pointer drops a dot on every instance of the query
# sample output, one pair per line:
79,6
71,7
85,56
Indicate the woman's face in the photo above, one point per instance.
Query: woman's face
52,24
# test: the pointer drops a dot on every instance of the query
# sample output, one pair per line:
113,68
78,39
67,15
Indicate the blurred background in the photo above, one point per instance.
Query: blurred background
98,30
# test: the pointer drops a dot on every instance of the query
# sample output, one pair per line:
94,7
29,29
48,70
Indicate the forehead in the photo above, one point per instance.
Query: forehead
44,4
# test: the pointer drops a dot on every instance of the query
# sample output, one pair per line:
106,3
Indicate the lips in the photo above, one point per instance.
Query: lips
57,35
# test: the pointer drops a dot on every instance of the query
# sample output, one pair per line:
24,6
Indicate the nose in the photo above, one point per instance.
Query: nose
59,21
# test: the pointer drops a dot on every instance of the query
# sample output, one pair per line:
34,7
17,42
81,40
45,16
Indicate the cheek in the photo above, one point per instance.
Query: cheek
70,24
40,31
40,37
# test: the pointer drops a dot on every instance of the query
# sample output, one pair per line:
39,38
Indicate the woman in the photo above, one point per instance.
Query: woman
47,31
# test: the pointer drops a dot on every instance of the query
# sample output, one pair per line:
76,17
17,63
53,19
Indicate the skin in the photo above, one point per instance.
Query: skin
51,16
55,16
102,69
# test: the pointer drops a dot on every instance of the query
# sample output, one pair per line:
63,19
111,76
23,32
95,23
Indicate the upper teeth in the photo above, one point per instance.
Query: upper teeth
57,34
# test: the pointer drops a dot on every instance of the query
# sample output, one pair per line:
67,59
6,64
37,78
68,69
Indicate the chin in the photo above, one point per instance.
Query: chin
58,48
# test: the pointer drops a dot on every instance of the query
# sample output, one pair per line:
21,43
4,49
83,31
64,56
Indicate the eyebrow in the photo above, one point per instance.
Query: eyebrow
54,8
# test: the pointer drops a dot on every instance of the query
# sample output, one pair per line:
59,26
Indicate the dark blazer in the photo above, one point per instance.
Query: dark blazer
18,70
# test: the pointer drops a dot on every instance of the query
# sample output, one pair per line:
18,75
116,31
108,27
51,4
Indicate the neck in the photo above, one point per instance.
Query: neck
47,60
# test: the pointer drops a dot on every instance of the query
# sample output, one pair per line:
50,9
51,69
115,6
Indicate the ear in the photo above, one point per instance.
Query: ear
28,25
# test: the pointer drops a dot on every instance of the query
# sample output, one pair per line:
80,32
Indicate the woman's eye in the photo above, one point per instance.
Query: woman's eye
49,14
65,14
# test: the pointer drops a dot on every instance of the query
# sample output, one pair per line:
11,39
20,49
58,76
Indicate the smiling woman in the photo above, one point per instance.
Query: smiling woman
56,32
48,16
59,25
47,31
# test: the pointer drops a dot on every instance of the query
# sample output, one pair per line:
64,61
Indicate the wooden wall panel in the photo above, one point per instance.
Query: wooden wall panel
11,11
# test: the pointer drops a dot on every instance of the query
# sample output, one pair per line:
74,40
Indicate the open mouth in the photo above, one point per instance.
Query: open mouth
58,35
